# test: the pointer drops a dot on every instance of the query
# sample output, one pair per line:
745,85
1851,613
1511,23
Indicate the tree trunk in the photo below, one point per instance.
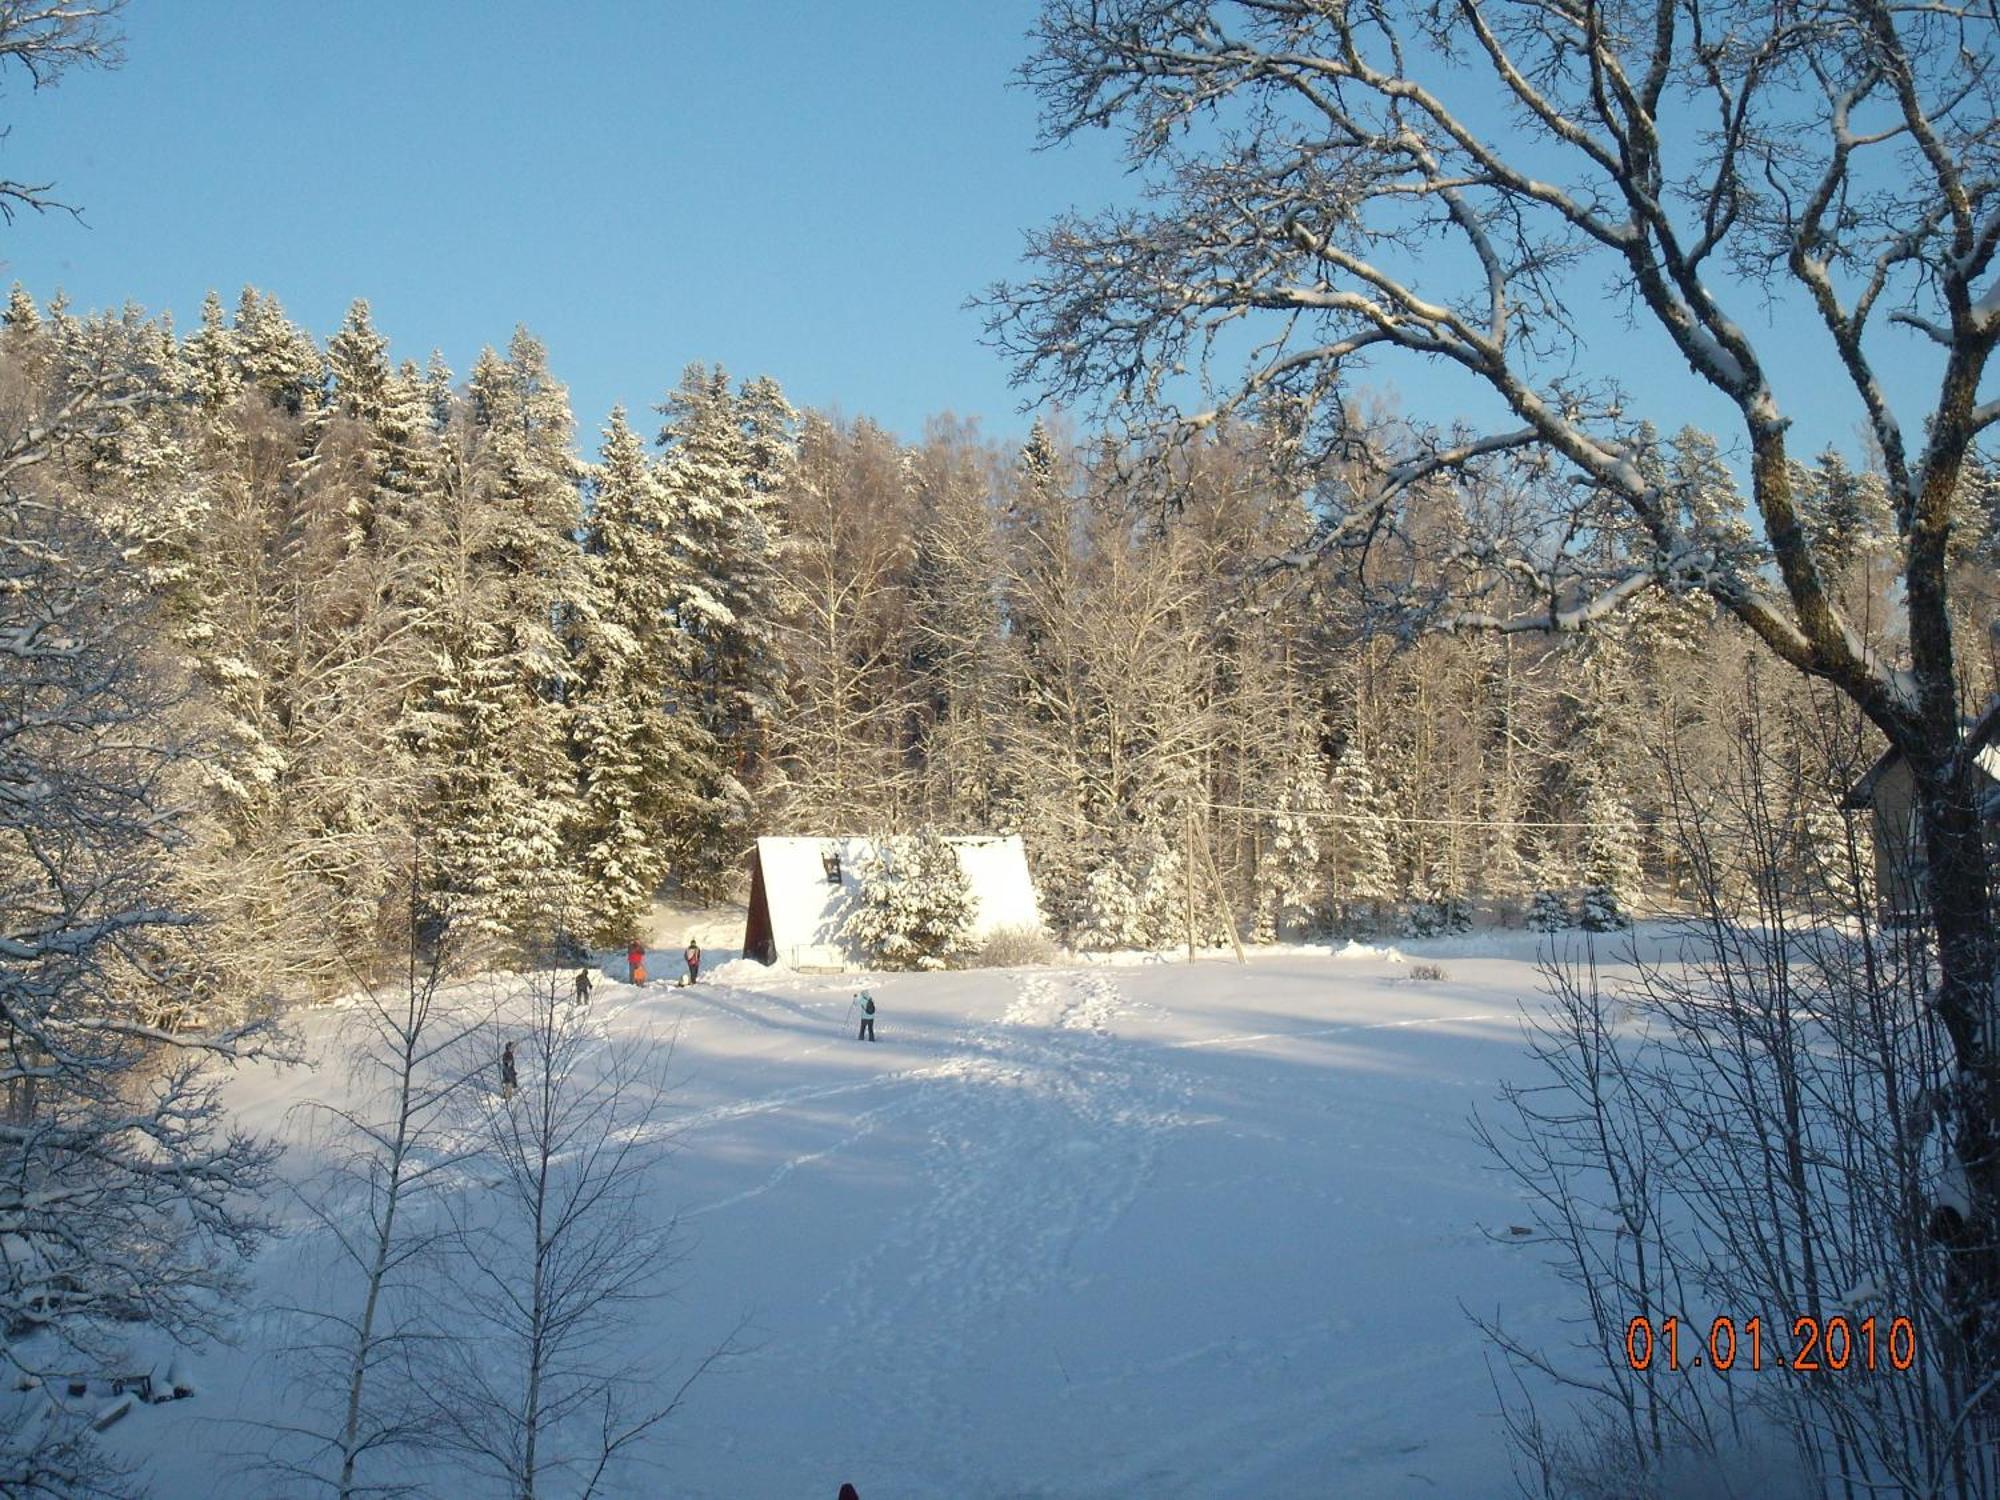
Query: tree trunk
1958,886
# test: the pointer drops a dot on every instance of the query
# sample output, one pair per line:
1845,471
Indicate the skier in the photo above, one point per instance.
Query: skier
636,957
509,1079
867,1018
583,982
693,956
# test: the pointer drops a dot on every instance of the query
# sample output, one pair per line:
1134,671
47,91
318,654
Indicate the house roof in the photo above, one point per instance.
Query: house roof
806,910
1983,733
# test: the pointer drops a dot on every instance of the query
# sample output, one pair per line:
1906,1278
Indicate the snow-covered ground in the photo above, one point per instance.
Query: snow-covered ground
1107,1230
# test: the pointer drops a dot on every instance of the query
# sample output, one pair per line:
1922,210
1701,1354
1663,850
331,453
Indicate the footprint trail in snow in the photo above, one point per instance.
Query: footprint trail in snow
1041,1133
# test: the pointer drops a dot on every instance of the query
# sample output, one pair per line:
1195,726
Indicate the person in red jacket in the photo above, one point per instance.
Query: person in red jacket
692,953
636,957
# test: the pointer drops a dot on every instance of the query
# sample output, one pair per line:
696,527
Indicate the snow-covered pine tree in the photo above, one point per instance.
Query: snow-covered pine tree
1162,894
1358,852
357,361
22,317
916,907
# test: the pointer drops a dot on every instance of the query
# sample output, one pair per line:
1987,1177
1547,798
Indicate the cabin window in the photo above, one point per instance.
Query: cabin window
830,861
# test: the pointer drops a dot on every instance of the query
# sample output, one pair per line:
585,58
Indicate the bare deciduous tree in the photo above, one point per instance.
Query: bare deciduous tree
537,1386
393,1157
126,1197
45,39
1337,182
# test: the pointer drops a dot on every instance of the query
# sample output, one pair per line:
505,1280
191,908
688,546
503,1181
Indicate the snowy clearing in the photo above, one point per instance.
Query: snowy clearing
1063,1232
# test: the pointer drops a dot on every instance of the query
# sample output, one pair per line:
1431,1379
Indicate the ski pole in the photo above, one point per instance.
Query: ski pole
850,1012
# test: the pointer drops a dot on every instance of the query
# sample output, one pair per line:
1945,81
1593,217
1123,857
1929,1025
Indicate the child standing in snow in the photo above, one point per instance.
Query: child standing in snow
636,957
693,957
867,1018
509,1079
583,986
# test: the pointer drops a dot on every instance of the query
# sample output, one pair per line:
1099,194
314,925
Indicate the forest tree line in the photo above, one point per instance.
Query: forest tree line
411,629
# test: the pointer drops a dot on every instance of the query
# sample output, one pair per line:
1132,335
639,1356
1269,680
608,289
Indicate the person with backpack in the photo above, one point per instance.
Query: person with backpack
509,1078
693,956
636,957
867,1018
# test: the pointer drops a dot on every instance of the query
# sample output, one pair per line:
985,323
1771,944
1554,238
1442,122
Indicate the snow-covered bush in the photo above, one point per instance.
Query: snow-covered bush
1015,947
916,908
1549,913
1427,973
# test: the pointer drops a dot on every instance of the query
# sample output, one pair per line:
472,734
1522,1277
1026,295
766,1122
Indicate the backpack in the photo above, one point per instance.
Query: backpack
867,1005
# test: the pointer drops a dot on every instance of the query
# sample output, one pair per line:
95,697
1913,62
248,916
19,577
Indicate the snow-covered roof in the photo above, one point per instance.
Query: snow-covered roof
1983,733
805,909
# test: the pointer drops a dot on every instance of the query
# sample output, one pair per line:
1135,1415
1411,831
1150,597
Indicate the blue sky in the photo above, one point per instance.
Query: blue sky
793,187
805,188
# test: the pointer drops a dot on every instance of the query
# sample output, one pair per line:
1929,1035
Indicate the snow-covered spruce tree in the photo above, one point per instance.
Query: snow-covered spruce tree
726,457
1358,851
276,358
554,1261
127,1198
1609,858
1549,912
507,588
1437,914
1110,916
915,908
1162,894
1054,734
1846,511
645,769
1291,881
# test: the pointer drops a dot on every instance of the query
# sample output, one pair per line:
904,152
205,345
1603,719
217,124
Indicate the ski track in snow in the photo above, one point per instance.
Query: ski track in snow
1041,1131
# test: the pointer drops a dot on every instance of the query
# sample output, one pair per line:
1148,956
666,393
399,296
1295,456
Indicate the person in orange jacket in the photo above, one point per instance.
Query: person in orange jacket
636,957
